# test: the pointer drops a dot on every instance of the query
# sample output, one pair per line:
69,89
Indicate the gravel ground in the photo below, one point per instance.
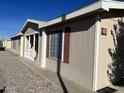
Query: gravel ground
18,78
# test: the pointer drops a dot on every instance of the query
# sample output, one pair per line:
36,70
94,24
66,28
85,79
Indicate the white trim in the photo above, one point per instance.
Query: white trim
96,52
63,42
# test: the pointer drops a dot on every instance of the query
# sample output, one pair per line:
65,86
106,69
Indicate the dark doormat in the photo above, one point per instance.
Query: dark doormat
2,90
107,90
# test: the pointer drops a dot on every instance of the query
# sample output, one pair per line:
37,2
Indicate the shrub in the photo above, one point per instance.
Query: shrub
116,67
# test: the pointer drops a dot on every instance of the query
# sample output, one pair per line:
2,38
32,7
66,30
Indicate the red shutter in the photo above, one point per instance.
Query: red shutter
66,44
48,38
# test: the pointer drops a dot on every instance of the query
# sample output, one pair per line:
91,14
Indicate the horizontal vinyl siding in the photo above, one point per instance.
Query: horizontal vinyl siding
81,48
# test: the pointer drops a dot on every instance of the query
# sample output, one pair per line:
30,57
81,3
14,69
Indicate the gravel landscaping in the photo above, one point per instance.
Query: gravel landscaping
18,78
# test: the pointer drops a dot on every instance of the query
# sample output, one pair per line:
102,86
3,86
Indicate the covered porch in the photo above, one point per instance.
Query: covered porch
30,40
31,46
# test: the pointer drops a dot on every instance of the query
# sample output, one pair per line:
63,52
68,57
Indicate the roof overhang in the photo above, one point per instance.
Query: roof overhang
18,34
101,5
29,21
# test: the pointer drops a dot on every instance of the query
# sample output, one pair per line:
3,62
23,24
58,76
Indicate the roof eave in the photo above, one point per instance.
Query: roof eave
103,5
28,21
111,4
85,10
19,34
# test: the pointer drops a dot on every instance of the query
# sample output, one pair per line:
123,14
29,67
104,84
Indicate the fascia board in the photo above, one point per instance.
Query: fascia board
92,7
51,22
19,34
116,5
23,27
40,23
104,5
107,5
85,10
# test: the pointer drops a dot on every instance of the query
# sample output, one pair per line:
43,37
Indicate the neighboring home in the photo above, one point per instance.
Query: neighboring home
16,43
30,39
2,43
7,43
76,44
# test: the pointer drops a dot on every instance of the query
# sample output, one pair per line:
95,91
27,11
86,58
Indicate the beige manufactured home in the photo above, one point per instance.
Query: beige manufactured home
75,45
7,44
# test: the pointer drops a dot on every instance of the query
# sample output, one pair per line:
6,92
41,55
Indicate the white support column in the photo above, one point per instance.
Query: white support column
22,46
34,51
34,40
25,46
25,40
96,52
29,45
43,49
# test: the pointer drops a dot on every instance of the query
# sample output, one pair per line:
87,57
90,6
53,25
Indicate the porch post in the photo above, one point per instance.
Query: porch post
22,46
34,38
43,49
96,52
29,45
25,45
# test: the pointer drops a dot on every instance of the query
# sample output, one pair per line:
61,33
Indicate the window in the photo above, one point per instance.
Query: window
56,39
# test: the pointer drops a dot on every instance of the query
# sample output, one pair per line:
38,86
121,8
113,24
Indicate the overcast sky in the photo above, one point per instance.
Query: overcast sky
13,13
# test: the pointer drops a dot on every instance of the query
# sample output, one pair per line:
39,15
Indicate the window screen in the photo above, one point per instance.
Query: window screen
56,44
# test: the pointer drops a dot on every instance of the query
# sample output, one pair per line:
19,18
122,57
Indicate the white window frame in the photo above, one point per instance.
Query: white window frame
62,52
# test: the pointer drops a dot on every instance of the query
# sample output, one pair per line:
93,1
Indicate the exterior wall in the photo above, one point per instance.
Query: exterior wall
80,66
106,42
15,44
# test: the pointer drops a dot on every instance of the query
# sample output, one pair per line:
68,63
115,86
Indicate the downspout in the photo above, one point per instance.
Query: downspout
96,52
